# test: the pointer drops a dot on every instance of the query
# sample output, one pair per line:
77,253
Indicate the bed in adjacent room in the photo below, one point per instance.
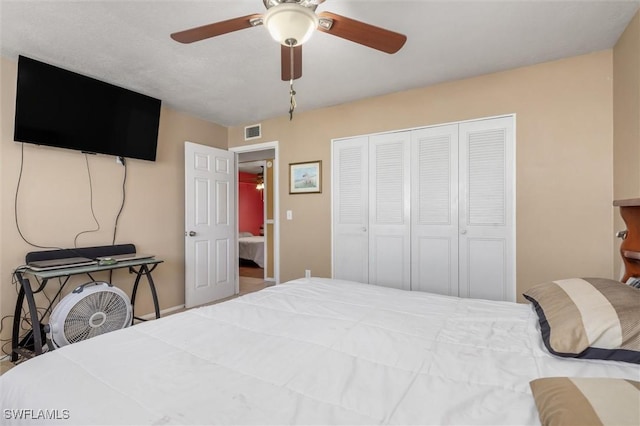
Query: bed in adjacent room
320,351
251,247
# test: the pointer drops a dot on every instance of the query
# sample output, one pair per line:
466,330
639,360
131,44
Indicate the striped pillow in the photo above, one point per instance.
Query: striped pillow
586,401
592,318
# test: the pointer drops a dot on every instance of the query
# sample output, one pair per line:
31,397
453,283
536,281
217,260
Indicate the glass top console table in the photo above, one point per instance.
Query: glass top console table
32,344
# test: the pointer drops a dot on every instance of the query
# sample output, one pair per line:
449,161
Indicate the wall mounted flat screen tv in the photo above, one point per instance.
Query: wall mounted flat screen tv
60,108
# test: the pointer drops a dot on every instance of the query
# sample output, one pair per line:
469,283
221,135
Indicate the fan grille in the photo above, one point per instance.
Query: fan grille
96,314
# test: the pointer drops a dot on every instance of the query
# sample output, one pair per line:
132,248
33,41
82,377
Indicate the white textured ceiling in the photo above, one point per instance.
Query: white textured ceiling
234,79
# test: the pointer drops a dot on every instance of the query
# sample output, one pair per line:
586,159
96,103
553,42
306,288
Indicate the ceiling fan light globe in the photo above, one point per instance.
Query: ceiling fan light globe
290,21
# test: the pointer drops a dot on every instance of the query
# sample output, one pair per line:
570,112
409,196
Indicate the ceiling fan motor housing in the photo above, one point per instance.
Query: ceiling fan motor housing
311,4
90,310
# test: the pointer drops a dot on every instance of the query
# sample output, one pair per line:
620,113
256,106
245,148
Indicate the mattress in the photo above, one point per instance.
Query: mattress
252,248
310,351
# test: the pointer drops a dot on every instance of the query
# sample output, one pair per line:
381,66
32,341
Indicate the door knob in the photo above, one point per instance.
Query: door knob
364,229
464,231
192,233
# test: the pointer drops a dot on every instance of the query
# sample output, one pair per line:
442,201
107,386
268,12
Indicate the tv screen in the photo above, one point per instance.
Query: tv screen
60,108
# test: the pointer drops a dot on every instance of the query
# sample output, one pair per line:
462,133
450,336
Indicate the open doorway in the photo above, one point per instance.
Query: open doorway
257,213
252,215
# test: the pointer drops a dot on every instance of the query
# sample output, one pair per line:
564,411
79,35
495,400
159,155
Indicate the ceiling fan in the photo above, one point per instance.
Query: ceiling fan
291,23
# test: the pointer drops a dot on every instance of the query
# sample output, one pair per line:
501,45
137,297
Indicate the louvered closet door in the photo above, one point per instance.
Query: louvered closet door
487,236
350,189
389,210
434,210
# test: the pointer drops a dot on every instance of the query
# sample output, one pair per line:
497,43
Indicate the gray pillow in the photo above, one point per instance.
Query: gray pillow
592,318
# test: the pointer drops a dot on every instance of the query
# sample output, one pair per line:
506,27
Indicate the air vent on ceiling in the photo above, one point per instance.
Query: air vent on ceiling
252,132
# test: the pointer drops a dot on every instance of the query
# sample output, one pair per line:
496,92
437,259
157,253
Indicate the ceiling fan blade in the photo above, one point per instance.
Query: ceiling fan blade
365,34
285,62
215,29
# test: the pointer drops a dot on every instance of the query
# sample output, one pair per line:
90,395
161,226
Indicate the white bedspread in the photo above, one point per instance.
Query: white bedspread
252,248
312,351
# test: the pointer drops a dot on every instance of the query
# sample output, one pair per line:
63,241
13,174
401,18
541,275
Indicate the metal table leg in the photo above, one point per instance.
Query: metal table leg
26,292
144,270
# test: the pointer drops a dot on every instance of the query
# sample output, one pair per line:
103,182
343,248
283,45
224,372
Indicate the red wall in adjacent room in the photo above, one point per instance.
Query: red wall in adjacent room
250,204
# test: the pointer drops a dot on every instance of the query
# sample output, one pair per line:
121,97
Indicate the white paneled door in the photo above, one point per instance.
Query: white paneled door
434,213
371,223
351,209
429,209
389,211
210,243
487,209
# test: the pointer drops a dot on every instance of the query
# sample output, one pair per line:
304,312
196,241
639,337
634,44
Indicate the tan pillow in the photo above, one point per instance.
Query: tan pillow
592,318
587,401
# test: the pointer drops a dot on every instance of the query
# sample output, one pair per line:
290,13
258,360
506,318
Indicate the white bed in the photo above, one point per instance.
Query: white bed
252,248
311,351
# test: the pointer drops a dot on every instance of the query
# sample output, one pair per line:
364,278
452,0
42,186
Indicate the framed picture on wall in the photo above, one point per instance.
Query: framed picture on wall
305,178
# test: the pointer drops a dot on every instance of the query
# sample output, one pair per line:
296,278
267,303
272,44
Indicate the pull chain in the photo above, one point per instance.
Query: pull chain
292,100
292,92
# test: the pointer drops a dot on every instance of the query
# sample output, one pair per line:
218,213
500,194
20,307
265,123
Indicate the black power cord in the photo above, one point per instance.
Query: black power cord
124,195
15,205
93,213
115,228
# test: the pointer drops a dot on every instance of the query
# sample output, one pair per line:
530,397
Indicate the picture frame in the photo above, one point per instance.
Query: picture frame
305,178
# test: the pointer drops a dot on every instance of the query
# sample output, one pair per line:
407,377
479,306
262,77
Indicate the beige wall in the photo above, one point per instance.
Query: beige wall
626,122
563,166
54,200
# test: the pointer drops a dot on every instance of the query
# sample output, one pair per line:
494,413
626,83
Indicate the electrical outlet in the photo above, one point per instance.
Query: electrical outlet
307,273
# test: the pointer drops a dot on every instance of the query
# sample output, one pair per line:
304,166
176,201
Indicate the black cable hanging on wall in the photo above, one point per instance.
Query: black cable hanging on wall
15,205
